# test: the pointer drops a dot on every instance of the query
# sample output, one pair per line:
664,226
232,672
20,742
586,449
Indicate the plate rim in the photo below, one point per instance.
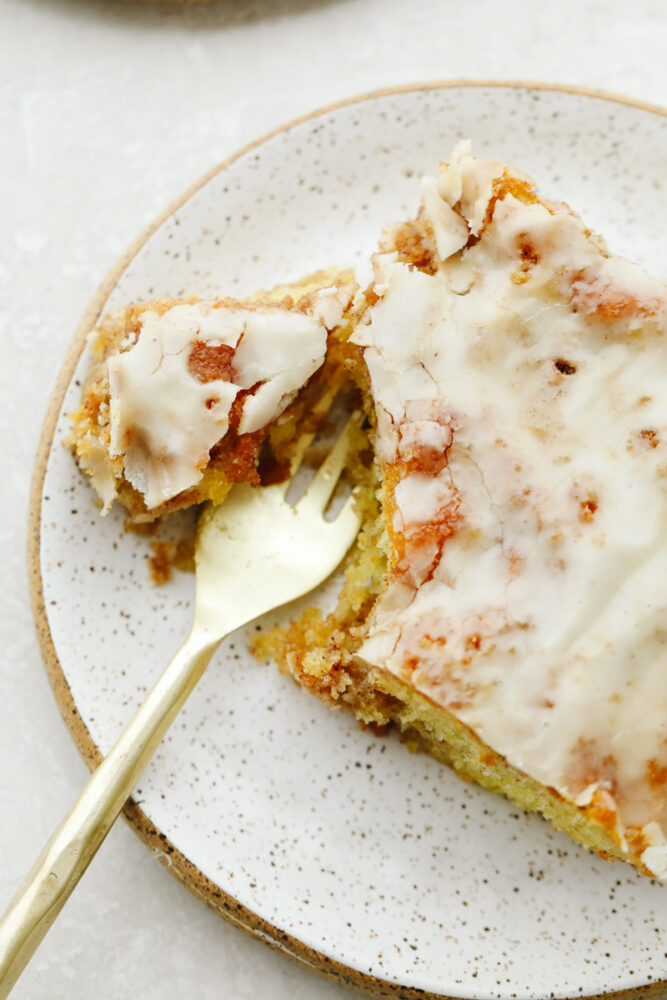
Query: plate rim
169,856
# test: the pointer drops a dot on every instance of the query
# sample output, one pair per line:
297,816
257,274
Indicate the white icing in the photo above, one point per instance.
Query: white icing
330,304
420,498
164,420
422,432
467,183
94,460
160,422
654,855
281,350
450,230
541,622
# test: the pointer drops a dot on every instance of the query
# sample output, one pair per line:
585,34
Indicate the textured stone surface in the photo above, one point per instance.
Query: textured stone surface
108,112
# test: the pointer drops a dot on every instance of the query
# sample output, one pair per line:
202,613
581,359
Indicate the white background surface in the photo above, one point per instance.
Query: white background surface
108,111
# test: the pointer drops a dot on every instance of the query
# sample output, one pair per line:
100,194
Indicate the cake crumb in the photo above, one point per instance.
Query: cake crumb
167,555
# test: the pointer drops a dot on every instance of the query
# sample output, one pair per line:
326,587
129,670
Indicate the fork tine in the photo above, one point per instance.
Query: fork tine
320,409
319,492
347,522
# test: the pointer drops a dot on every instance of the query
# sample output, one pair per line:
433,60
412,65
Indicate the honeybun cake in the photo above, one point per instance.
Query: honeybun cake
504,604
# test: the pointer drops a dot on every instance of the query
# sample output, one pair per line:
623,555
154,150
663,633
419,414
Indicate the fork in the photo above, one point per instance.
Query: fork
253,553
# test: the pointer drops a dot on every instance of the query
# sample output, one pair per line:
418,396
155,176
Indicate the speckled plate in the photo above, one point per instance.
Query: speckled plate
375,866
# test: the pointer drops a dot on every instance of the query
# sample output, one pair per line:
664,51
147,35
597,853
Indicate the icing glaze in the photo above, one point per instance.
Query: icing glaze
522,434
173,386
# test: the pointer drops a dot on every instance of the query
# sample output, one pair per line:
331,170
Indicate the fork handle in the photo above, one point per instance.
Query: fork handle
75,842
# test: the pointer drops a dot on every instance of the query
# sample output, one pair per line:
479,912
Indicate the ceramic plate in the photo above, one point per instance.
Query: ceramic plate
367,862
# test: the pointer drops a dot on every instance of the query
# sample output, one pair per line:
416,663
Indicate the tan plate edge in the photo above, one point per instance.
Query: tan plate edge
166,852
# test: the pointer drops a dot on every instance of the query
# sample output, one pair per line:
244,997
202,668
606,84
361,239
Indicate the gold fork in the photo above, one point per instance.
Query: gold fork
253,553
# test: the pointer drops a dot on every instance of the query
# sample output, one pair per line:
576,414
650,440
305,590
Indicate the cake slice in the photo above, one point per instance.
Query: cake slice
519,631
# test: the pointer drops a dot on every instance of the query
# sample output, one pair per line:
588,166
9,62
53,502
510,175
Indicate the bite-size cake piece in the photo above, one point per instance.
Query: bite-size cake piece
184,392
518,374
